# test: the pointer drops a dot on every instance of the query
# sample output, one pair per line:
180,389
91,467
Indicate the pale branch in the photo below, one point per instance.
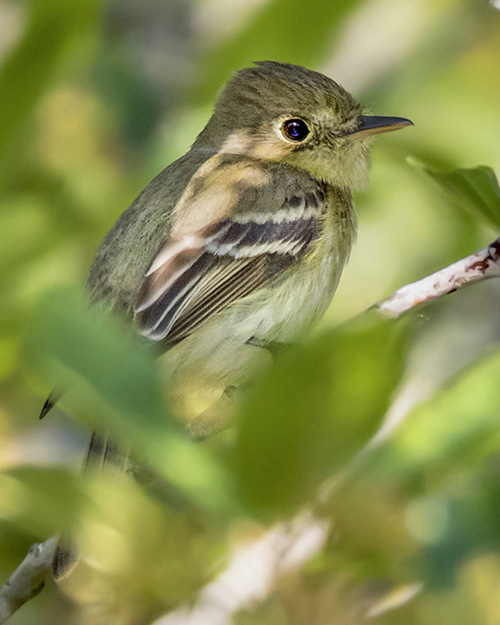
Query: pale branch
480,266
28,579
255,569
253,572
483,264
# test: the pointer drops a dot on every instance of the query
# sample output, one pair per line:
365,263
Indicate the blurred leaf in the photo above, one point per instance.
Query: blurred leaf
100,349
475,189
433,486
138,548
41,501
316,408
283,30
27,72
107,354
459,424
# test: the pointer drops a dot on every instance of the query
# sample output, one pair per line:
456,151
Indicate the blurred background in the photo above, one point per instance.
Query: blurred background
95,99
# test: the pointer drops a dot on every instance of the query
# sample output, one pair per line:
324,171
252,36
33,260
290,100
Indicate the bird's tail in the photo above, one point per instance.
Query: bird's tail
51,401
103,455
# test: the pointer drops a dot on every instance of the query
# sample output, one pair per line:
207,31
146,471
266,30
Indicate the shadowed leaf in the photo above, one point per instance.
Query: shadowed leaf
474,189
316,408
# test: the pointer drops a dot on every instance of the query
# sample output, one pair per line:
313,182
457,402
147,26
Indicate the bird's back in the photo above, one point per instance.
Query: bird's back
126,251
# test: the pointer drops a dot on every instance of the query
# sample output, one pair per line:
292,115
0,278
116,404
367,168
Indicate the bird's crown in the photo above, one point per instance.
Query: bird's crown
270,89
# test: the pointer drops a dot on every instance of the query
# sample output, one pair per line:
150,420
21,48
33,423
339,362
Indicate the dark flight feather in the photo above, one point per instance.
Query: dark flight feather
189,283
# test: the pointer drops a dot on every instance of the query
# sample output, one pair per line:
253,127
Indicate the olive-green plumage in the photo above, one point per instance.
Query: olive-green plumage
240,243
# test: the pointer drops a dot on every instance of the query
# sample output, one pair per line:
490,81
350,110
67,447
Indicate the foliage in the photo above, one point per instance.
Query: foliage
327,398
475,189
421,506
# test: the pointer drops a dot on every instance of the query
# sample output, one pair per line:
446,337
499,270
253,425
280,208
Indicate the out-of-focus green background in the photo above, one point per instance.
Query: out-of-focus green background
95,99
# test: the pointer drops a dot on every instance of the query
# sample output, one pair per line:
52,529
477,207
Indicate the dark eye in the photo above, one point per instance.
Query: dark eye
295,129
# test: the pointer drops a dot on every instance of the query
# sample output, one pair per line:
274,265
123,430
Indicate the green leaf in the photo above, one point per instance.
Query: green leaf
107,355
315,408
43,501
27,72
283,30
460,423
100,349
474,189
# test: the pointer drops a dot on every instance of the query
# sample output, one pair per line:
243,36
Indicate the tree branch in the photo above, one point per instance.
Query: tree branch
479,266
28,579
254,571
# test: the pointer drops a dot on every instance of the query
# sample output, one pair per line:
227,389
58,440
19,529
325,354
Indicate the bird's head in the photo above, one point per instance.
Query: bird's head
286,113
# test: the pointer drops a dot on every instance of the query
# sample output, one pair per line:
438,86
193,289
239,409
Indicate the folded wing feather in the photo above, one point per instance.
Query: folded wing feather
194,278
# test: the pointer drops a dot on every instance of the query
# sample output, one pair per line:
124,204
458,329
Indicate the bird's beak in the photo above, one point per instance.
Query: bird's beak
371,125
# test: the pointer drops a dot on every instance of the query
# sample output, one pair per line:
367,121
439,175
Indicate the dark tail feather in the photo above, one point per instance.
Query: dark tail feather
51,401
63,563
103,454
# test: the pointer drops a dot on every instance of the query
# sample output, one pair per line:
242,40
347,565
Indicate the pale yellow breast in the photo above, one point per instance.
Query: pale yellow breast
292,306
217,355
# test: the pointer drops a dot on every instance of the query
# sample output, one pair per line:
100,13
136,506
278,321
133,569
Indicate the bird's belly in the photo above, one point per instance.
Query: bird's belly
289,308
218,354
293,303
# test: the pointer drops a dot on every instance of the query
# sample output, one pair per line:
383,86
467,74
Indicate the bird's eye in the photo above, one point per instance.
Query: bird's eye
295,130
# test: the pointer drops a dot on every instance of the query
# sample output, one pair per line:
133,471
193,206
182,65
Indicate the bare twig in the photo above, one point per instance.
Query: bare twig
253,571
28,579
482,265
479,266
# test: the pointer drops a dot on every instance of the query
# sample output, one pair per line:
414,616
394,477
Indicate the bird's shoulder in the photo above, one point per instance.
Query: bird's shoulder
126,251
193,192
244,188
238,225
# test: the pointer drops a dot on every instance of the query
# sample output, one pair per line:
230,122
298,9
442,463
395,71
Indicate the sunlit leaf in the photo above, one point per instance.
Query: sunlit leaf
315,408
460,424
108,356
139,547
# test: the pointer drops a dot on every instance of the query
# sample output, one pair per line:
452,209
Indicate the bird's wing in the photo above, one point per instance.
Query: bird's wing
196,276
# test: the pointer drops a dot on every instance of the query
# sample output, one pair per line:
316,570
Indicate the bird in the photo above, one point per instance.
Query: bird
241,242
239,245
